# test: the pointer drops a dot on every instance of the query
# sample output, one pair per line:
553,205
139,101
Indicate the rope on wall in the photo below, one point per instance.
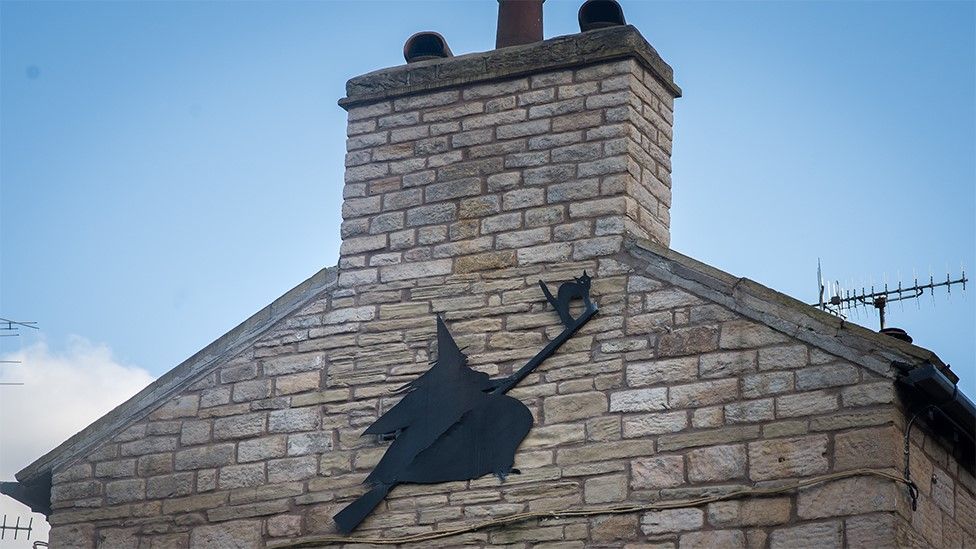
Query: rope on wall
319,541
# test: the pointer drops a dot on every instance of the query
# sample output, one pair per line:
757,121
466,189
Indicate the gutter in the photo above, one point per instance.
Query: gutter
36,494
928,387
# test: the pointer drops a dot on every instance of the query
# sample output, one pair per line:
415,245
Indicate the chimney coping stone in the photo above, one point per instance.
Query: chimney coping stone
574,50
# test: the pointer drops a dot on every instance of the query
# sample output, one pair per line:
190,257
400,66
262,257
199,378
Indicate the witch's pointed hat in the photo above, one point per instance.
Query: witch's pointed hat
448,352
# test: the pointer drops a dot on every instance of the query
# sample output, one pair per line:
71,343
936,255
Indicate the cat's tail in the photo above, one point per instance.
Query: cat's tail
549,295
354,513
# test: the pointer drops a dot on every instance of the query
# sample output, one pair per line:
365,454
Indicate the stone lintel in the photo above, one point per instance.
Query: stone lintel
574,50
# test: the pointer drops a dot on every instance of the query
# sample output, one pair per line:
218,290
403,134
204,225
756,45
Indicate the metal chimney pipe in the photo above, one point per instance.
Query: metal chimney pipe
519,22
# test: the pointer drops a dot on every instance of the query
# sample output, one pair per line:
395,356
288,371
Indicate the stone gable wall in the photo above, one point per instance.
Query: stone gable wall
661,396
457,202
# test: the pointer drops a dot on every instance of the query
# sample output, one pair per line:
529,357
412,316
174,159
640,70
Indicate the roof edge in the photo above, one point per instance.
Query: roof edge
177,378
860,345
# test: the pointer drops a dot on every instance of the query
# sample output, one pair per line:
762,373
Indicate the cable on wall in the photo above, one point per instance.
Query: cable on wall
319,541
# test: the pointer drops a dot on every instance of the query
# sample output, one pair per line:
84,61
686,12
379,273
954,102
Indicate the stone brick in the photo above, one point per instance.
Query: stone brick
727,364
417,269
155,464
639,400
603,451
703,394
788,457
285,525
228,535
312,361
688,341
671,520
563,408
662,371
726,539
743,334
867,448
201,457
870,531
605,489
182,406
309,443
828,375
243,426
258,449
123,491
749,411
850,496
679,441
297,383
866,394
657,472
805,404
241,476
717,463
825,534
750,512
167,486
654,424
770,383
290,469
112,469
485,261
787,357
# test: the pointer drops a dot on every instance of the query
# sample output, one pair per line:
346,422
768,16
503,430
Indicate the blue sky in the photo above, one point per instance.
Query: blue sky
168,168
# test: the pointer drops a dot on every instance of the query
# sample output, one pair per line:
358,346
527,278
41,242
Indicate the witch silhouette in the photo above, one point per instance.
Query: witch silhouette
454,423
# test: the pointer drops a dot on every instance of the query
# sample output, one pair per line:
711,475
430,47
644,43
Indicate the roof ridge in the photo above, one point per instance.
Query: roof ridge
779,311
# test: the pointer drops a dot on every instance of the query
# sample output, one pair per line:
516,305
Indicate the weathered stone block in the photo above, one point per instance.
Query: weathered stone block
242,426
657,472
825,534
717,463
867,448
727,364
563,408
788,457
672,520
662,371
229,535
688,341
639,400
828,375
726,539
123,491
605,489
654,424
850,496
201,457
743,334
167,486
241,476
750,512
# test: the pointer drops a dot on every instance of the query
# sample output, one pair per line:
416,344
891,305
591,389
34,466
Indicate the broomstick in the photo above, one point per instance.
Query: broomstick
426,467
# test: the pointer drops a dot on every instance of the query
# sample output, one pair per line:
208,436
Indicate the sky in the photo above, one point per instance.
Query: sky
169,168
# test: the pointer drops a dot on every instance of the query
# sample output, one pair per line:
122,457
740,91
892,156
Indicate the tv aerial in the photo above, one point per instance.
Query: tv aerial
841,301
16,528
11,328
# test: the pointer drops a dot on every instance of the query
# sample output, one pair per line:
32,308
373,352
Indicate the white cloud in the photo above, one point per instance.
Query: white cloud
63,392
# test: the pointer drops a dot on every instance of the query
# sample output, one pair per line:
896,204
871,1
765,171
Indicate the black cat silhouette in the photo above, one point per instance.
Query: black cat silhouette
580,289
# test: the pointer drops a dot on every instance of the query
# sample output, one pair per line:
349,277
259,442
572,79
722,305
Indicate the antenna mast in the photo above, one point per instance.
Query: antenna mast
847,300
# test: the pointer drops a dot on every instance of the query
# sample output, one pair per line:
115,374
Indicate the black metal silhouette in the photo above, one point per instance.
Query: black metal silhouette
455,423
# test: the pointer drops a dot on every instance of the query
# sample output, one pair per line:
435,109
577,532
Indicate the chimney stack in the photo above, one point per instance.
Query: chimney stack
548,153
519,22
